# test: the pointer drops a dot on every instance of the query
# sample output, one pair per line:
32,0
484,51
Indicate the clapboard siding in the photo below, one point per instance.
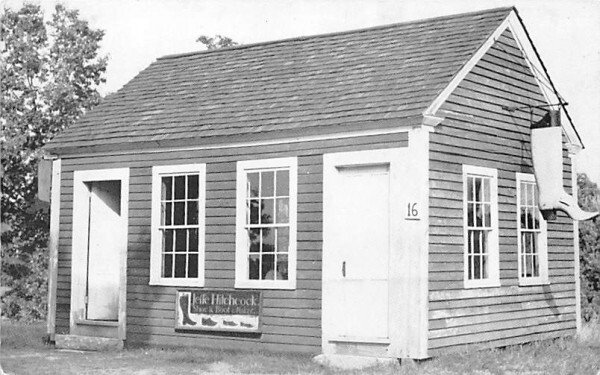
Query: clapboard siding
291,318
477,131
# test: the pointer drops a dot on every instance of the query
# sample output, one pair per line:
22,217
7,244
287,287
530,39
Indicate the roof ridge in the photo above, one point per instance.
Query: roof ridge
315,36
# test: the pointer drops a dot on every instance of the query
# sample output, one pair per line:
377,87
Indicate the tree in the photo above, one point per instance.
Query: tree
589,247
218,41
50,72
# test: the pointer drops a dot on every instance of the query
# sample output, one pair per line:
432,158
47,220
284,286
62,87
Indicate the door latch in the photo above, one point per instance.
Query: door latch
344,268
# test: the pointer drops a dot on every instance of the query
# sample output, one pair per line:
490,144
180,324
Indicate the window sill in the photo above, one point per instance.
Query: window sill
284,285
533,282
99,323
196,283
483,284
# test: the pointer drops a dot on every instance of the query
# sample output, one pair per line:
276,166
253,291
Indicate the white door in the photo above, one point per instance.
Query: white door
357,266
104,250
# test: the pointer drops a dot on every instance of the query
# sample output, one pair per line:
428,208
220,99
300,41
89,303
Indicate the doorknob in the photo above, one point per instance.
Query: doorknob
344,268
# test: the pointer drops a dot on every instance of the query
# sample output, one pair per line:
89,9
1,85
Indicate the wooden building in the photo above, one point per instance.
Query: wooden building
367,192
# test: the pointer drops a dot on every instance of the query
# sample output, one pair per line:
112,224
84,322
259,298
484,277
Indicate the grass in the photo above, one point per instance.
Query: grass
23,352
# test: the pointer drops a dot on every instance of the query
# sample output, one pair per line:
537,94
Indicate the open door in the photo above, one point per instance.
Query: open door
98,290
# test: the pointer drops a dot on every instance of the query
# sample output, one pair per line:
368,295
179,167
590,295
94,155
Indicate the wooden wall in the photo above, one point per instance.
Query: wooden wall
477,131
291,319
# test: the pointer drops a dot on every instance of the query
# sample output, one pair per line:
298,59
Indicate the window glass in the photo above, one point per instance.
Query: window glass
479,226
267,223
179,225
529,231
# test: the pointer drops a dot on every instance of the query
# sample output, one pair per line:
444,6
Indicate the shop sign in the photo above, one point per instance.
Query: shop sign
218,310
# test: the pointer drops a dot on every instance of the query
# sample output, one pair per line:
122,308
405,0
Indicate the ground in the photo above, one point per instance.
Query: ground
23,352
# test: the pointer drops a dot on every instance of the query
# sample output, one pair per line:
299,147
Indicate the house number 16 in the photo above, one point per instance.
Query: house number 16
412,211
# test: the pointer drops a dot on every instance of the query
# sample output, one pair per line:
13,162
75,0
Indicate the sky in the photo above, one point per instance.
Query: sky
566,34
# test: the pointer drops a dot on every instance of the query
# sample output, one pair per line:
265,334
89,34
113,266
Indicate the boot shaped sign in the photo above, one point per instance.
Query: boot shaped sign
546,152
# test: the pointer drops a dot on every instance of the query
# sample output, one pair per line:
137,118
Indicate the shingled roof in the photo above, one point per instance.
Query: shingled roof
377,77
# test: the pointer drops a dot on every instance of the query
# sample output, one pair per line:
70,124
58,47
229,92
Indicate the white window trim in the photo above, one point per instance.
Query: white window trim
155,244
543,239
241,259
494,252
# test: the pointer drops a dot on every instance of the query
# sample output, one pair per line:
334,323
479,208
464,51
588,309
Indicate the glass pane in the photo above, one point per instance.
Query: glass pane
180,187
282,267
536,217
470,267
484,273
535,265
167,191
529,194
252,185
167,265
168,240
193,265
523,193
268,240
470,212
167,212
529,218
267,184
523,216
283,183
267,211
254,209
283,210
179,213
268,267
478,189
181,240
193,181
483,244
488,216
486,190
283,240
253,267
470,188
478,215
180,265
477,267
254,240
476,245
193,240
192,212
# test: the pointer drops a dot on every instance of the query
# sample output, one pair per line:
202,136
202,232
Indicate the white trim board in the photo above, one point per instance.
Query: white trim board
515,25
53,247
400,128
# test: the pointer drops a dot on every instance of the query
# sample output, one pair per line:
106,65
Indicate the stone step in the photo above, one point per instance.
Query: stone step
74,342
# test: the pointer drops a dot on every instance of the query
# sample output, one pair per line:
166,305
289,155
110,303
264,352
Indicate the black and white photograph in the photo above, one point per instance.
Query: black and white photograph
300,187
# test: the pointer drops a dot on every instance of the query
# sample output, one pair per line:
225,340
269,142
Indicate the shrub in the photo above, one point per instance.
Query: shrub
589,249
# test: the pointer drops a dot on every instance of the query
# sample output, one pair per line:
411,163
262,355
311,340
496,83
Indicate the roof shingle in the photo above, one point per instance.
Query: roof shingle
341,80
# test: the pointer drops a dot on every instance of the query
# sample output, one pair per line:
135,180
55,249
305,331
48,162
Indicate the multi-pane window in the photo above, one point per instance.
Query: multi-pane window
266,223
532,232
178,225
480,226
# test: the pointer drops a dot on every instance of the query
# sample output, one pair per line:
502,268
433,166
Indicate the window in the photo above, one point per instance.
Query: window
177,248
533,251
480,227
266,224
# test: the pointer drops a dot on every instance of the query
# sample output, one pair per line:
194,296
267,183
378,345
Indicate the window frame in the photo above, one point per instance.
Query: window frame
156,240
493,279
241,259
542,279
